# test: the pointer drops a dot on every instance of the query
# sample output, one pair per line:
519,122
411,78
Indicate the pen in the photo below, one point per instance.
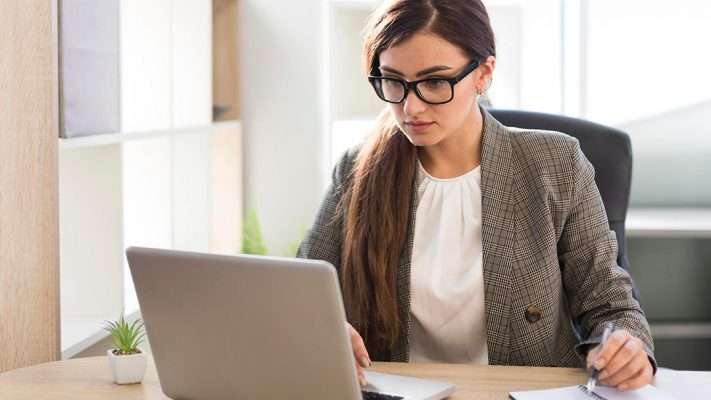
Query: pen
592,381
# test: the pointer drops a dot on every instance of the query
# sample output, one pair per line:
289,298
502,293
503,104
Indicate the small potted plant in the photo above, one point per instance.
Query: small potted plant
127,361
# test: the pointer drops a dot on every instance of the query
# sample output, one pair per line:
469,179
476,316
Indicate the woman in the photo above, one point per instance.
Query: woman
458,239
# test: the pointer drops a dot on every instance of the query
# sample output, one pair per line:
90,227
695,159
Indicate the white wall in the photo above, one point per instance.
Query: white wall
647,57
352,97
280,62
672,151
648,69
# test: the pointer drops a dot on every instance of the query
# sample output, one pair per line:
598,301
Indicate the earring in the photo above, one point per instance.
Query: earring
481,90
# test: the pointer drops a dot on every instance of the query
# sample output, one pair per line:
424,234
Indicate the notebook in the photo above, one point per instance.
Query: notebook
600,393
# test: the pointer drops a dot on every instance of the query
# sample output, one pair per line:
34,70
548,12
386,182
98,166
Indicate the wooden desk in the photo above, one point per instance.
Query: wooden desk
89,378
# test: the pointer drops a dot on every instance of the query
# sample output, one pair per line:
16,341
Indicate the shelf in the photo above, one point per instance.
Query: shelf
80,333
121,137
669,222
690,330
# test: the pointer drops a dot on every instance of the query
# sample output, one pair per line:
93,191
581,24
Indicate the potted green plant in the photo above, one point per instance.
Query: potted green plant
127,361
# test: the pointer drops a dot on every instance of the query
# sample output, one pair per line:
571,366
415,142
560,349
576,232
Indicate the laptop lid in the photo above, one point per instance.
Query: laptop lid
227,327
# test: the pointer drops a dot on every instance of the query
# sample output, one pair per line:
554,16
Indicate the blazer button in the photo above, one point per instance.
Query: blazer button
533,314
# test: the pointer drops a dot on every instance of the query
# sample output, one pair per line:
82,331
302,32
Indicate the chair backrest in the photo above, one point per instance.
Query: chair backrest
608,149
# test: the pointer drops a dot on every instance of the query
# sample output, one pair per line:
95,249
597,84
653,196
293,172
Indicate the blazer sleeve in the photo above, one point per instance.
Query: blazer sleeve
324,240
598,290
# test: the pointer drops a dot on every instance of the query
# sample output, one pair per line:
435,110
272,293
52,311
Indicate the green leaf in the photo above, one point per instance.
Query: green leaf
252,242
293,248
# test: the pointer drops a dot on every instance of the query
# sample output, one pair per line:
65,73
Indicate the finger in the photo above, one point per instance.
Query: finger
359,350
629,371
359,369
363,382
592,355
360,374
643,378
629,350
608,349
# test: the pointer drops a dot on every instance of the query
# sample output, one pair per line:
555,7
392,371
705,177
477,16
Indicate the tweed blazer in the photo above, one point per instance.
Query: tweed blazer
550,272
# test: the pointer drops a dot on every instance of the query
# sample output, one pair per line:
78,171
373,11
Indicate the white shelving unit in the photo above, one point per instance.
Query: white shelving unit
672,223
171,179
117,191
118,138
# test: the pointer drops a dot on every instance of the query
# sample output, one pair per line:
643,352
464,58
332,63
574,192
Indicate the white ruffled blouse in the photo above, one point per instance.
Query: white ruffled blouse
446,277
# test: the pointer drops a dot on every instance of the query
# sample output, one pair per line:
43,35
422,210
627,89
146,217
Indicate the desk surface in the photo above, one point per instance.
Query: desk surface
90,378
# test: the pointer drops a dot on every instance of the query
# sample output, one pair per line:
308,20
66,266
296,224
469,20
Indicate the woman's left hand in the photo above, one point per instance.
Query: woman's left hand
622,362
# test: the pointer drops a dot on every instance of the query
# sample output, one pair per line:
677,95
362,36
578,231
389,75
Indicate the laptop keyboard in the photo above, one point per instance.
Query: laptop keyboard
379,396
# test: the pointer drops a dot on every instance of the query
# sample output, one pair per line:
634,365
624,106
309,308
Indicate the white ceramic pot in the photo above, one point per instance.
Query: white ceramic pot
127,369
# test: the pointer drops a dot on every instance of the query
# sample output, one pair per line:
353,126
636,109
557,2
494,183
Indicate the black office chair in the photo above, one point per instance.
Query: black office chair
608,149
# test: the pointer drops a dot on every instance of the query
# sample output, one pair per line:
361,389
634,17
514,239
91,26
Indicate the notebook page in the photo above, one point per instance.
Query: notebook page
647,392
601,393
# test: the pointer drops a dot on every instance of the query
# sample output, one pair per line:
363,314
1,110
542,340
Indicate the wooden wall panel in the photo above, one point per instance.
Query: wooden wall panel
225,64
29,266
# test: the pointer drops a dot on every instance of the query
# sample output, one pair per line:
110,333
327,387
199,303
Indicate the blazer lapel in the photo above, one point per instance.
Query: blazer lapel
497,235
401,352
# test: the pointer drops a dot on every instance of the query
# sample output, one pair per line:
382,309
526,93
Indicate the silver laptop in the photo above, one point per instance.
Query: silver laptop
250,327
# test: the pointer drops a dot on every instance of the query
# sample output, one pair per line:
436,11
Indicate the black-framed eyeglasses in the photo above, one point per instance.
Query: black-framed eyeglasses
429,90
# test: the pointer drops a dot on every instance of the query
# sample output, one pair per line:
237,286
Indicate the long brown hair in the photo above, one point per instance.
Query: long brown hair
376,202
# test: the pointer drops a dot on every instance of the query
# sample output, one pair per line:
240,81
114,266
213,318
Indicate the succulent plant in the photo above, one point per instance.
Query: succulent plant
127,337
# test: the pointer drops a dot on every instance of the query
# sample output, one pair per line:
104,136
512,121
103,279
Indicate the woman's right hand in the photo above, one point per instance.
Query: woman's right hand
362,359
